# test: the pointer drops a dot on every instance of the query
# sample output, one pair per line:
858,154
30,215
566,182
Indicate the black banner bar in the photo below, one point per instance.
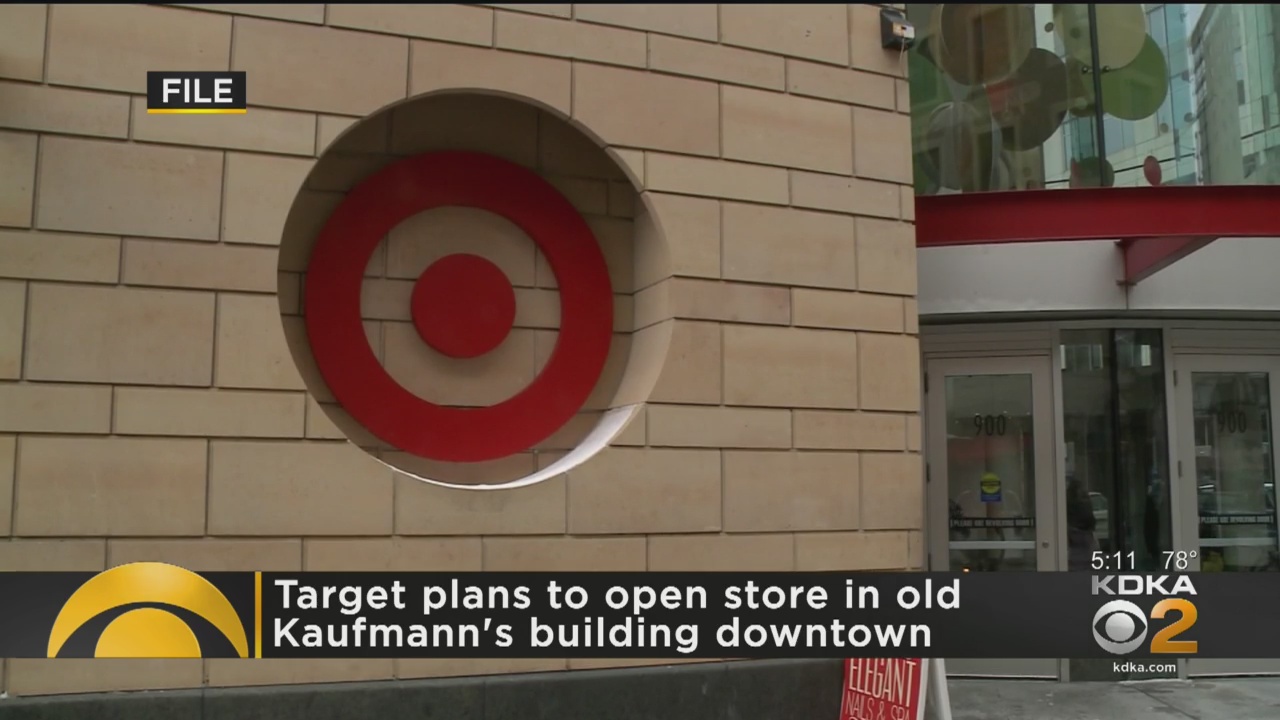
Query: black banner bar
983,523
156,610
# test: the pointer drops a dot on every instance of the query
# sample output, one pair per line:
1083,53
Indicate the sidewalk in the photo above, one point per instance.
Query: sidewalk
1226,699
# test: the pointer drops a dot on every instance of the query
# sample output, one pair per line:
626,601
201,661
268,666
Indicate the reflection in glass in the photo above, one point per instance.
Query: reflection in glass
991,472
1115,431
1235,471
1029,96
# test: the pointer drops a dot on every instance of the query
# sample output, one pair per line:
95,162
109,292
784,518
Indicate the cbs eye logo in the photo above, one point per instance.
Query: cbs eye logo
1120,627
147,628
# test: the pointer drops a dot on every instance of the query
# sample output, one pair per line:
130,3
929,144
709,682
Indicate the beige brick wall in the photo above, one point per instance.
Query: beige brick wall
156,402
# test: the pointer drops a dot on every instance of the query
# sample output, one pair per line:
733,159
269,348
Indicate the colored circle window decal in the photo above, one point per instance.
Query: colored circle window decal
459,307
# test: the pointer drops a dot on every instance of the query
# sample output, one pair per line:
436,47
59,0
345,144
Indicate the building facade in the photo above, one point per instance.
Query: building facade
829,304
168,389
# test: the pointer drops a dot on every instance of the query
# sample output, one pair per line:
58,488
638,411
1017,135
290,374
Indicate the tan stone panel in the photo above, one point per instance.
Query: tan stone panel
789,246
632,161
817,32
916,554
690,228
224,672
426,237
718,427
293,488
554,10
866,52
890,372
588,196
393,555
260,130
466,667
908,203
440,66
693,367
144,197
837,83
729,302
902,94
260,192
252,351
715,62
17,185
209,413
47,408
790,491
456,23
319,426
31,555
427,509
8,459
89,675
565,150
70,486
629,490
306,216
705,177
639,109
914,434
367,135
301,12
695,20
722,553
886,257
840,430
778,129
474,382
58,256
846,310
821,552
480,123
883,145
580,41
112,47
508,554
789,367
622,199
13,306
892,491
844,194
83,333
71,112
616,239
310,68
211,554
22,34
163,263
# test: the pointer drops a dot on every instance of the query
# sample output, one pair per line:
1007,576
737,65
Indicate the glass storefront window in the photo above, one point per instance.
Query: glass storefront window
1024,96
1115,430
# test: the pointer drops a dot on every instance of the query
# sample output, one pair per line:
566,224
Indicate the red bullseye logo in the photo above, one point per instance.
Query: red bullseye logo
462,306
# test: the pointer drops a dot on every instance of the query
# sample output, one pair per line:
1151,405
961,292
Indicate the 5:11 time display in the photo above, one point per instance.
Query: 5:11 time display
1114,561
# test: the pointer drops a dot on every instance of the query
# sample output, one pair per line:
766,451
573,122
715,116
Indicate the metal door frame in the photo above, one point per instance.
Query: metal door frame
1050,492
1189,536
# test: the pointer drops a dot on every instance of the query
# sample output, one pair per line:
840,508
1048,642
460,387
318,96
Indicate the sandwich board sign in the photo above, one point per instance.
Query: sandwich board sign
894,689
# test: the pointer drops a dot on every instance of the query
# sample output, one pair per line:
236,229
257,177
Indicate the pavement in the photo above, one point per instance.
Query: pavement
1225,699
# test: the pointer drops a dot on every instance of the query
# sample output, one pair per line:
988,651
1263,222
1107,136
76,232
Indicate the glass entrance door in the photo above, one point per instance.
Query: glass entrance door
991,477
1227,473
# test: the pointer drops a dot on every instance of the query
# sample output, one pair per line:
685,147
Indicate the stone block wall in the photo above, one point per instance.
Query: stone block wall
152,401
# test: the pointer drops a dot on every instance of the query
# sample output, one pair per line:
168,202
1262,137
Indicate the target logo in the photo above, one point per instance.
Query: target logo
462,306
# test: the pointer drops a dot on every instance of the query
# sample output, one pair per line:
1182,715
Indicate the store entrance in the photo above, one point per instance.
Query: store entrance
992,495
1227,473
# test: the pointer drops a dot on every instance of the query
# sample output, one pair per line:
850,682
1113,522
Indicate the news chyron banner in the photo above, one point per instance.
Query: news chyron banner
155,610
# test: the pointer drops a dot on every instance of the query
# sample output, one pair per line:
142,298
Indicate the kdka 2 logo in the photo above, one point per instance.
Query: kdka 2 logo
1121,625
